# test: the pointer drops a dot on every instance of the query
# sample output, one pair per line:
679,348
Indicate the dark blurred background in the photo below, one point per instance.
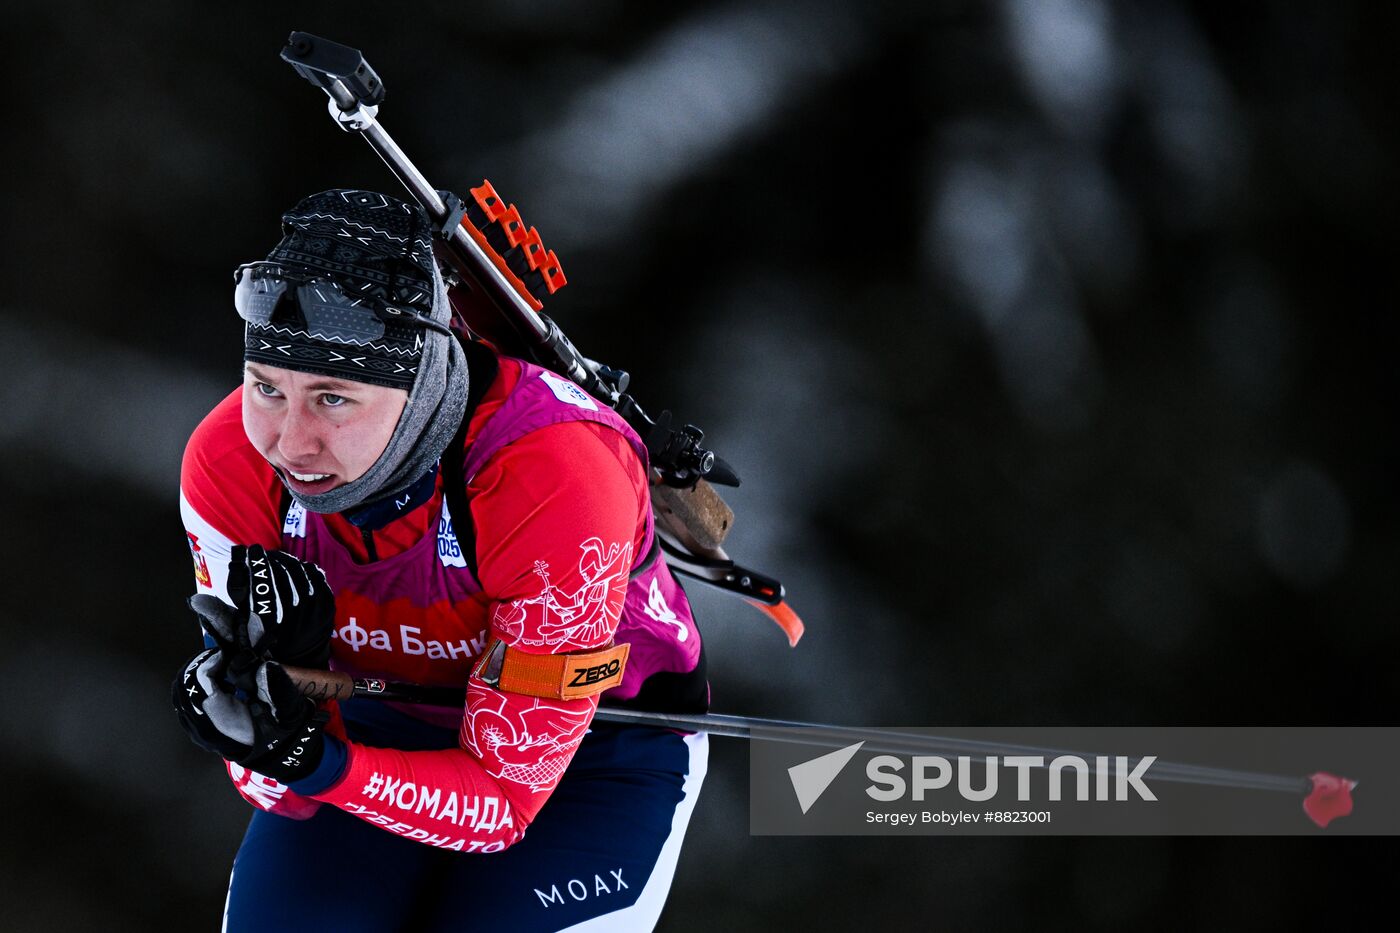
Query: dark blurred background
1054,341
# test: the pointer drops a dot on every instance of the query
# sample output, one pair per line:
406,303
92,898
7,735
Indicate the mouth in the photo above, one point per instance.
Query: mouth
308,484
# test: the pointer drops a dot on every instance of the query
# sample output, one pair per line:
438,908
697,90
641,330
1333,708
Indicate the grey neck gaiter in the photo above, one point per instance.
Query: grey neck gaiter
430,419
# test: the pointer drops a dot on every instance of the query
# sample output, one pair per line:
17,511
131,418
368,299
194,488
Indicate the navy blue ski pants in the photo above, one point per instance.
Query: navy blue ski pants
602,849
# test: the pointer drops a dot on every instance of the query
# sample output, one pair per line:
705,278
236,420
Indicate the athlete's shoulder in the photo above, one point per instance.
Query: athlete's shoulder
581,449
219,450
506,374
226,481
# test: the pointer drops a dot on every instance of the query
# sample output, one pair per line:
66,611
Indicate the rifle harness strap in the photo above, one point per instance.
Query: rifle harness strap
569,676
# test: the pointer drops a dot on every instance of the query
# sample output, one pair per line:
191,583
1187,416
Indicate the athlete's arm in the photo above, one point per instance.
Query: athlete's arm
558,514
229,495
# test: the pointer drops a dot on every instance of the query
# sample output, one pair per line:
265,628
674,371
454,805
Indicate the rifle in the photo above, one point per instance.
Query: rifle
498,274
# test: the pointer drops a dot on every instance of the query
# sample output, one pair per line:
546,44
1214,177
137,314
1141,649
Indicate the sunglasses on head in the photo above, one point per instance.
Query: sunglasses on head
330,313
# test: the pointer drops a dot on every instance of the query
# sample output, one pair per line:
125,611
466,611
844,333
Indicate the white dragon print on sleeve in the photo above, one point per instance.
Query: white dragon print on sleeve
582,619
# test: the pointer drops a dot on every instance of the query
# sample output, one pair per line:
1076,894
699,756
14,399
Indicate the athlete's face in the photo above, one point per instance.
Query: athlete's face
319,431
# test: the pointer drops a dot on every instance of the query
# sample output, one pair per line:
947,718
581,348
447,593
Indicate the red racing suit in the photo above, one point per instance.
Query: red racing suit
559,517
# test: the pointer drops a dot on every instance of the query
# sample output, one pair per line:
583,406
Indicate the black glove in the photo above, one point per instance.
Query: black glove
283,608
248,711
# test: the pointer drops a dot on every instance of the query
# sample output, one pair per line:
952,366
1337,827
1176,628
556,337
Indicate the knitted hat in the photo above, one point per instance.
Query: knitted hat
337,297
370,250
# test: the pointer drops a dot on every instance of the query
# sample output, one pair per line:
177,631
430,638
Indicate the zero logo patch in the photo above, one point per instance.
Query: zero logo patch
584,676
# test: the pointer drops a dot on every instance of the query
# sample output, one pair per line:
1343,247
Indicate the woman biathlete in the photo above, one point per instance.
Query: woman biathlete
384,497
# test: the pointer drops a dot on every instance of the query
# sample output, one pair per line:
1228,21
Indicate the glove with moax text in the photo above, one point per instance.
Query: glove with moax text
248,711
283,608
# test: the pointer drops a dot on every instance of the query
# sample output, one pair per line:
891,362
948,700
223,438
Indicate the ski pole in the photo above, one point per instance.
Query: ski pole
1326,796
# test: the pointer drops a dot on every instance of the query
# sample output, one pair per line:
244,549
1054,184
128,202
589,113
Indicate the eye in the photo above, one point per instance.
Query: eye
333,401
266,390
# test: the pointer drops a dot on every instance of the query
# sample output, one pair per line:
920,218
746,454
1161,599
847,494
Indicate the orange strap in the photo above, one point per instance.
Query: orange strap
552,676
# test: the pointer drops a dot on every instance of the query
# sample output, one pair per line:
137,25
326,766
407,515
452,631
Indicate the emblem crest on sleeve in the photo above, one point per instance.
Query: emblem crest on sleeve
201,566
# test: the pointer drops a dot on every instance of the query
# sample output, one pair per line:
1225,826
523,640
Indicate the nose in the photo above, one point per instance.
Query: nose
300,438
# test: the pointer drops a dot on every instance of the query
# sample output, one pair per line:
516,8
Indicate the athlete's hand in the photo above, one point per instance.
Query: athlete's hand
283,608
266,726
